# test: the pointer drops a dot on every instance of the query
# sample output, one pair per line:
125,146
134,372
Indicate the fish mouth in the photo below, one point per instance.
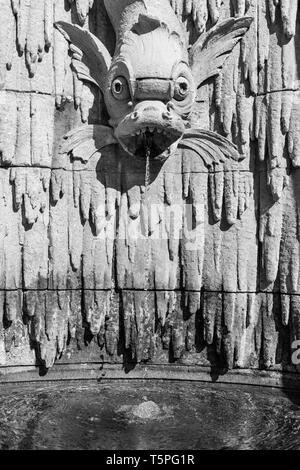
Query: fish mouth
154,139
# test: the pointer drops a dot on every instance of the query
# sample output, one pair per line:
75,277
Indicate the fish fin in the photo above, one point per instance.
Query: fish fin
210,51
210,146
85,141
90,58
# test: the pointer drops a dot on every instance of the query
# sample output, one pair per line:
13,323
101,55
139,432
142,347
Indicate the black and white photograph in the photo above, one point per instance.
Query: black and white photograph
149,228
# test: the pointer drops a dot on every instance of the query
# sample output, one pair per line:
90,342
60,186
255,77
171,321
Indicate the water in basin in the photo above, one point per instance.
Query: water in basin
136,415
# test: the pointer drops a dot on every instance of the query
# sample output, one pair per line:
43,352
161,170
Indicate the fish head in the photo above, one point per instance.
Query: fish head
150,91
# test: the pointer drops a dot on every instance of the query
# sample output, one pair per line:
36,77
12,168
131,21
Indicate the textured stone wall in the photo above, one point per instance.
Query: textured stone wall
64,289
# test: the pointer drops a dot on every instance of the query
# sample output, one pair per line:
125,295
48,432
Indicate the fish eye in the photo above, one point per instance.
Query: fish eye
120,89
182,88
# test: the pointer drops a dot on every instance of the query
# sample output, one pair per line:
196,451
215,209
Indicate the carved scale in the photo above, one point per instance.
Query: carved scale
58,219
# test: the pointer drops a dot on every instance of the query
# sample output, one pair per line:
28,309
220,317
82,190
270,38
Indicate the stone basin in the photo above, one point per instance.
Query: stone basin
147,414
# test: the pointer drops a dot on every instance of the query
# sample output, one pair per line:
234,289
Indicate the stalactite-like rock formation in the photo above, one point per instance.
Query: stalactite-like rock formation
233,300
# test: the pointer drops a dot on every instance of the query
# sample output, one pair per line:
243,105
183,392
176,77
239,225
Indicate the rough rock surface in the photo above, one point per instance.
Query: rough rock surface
235,301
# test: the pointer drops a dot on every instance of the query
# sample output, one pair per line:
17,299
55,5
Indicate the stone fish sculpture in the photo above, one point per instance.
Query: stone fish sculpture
162,256
154,177
150,84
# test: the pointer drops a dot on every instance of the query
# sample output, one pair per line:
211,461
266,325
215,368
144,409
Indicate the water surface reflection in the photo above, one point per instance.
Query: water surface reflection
77,415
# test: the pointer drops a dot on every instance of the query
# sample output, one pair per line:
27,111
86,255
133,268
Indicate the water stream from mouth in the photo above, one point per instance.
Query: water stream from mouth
146,202
147,170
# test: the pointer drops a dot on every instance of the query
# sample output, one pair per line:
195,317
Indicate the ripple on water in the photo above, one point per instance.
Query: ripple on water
147,415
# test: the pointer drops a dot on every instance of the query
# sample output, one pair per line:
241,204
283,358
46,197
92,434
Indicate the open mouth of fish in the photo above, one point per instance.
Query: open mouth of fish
155,140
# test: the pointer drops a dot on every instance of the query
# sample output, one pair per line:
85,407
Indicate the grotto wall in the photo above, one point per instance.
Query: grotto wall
95,263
